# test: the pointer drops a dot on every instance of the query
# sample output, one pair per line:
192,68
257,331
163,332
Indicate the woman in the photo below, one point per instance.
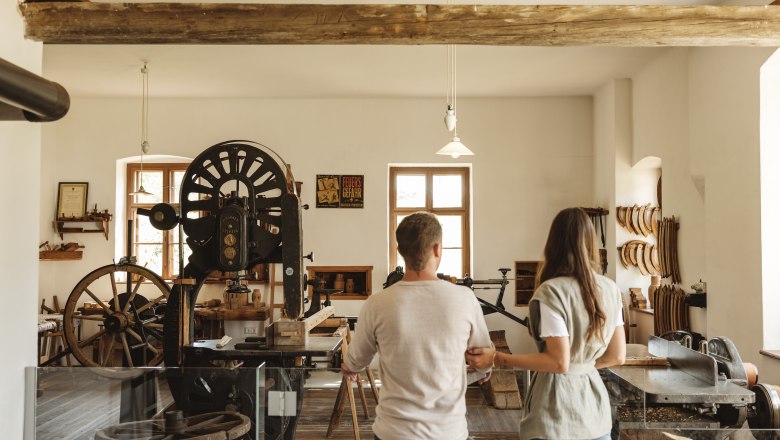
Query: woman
576,319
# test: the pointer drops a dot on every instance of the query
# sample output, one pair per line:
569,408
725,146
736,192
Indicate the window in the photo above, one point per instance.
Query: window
155,249
440,191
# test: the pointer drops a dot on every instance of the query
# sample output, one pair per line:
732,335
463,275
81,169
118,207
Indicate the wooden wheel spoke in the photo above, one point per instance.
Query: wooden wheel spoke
89,340
134,334
89,317
154,332
109,352
150,304
127,350
97,300
152,348
113,289
156,360
141,279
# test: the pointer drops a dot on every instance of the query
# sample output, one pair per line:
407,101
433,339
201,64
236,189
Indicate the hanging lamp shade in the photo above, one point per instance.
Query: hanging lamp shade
455,149
141,191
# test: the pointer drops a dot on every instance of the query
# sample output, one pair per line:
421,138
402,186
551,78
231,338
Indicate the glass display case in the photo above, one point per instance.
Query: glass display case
301,403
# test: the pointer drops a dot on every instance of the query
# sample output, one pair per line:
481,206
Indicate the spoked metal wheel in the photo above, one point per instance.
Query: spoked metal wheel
233,169
124,326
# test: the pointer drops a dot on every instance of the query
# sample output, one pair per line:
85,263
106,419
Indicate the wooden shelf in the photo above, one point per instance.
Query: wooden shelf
525,281
101,226
361,276
59,255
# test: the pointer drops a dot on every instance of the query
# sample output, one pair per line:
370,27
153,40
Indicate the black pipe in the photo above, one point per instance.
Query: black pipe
25,96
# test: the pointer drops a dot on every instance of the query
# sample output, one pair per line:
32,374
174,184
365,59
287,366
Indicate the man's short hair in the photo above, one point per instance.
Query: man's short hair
416,235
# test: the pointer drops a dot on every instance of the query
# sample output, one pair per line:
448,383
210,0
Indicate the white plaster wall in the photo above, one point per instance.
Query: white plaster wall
604,165
661,130
698,110
20,147
629,184
724,127
533,157
619,183
770,198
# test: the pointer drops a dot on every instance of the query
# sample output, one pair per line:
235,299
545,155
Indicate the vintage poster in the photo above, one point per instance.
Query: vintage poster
351,191
328,194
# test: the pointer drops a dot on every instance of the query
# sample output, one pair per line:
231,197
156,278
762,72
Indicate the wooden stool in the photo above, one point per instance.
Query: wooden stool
346,390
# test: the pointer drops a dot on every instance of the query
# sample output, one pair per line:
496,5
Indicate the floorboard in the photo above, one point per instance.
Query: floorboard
484,422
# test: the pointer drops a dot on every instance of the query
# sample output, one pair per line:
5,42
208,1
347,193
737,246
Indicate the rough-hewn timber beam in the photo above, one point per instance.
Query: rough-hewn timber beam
189,23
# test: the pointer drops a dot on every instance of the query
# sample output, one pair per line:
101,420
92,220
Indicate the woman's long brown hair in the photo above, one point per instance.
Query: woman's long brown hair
571,251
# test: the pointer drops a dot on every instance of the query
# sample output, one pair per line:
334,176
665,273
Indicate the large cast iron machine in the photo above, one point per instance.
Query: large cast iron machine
238,207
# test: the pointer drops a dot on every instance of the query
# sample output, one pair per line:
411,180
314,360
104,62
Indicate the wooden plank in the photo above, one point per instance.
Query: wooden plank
519,25
315,319
59,255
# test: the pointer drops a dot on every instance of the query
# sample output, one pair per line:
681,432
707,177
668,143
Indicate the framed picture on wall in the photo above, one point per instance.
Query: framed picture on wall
72,199
351,191
328,191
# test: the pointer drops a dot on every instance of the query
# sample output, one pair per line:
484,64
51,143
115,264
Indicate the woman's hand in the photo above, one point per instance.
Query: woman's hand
480,358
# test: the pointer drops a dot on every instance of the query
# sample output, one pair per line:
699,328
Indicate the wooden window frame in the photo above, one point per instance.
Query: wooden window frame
169,268
464,211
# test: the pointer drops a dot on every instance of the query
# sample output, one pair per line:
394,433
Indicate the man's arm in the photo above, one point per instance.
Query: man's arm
363,347
480,336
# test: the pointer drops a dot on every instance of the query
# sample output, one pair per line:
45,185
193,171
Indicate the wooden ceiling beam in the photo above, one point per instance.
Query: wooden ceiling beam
405,24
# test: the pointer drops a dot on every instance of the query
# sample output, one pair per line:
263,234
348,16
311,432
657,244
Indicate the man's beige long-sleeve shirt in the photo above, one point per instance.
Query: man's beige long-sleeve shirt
421,330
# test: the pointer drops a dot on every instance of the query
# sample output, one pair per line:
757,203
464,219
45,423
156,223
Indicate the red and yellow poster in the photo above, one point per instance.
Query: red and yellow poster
351,191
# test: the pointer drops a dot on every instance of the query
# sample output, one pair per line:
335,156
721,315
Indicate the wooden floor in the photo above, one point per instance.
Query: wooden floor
75,403
484,422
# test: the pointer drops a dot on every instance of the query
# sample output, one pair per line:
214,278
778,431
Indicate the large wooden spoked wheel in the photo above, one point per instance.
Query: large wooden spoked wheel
126,327
209,426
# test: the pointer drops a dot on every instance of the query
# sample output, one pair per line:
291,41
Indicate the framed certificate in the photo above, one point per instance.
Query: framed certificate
72,199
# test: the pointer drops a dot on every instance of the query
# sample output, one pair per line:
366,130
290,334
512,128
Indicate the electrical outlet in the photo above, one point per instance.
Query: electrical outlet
250,330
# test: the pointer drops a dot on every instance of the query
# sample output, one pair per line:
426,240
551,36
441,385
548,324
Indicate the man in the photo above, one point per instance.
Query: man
421,327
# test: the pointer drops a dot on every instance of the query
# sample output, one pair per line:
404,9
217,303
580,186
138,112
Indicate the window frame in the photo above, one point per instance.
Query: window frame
464,210
169,268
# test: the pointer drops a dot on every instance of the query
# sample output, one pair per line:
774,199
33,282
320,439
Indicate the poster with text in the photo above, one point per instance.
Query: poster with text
328,191
351,191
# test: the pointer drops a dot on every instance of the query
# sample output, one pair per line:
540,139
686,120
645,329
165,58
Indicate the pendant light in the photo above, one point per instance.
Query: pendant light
144,130
454,148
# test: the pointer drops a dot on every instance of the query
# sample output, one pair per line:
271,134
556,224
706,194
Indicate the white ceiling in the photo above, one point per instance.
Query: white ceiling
336,71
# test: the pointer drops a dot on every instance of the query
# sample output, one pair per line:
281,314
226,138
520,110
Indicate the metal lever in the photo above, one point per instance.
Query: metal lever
310,256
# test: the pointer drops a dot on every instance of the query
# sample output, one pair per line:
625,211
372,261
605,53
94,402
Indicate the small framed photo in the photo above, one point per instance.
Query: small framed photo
72,199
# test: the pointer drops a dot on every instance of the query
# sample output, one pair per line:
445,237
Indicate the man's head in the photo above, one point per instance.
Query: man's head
416,237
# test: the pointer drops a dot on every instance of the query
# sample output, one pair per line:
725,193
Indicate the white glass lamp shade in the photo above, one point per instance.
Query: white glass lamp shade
455,149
